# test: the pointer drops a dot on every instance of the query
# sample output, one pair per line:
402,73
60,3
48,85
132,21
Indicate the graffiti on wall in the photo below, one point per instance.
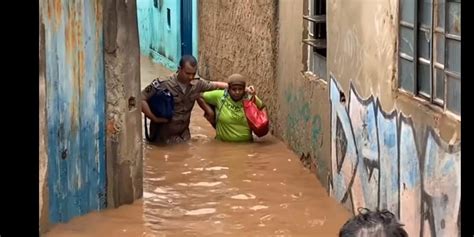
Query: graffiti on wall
310,127
377,163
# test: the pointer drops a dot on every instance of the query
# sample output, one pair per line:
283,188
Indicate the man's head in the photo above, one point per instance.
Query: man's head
187,69
373,224
236,84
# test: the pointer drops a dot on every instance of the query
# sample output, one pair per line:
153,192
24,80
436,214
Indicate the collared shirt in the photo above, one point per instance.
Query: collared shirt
178,128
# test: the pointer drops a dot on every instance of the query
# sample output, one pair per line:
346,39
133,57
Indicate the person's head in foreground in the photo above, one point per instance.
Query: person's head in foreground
373,224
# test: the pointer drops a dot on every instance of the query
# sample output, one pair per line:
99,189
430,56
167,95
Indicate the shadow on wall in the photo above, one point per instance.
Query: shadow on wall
376,163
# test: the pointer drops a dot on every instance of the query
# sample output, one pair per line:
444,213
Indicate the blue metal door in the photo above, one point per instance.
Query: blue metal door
186,27
75,106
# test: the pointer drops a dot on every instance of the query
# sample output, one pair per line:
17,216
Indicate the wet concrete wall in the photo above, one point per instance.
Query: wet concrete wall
398,148
304,113
239,38
124,134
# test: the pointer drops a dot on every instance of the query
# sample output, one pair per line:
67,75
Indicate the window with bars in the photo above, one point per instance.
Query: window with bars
316,37
430,51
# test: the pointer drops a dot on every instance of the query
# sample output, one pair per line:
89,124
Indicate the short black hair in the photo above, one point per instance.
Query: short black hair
373,223
187,59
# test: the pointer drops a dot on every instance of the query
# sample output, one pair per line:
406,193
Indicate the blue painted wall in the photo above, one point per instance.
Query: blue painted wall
75,107
160,40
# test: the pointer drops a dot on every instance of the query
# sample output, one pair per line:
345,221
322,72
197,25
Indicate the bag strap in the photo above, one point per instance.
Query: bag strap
251,98
149,137
223,101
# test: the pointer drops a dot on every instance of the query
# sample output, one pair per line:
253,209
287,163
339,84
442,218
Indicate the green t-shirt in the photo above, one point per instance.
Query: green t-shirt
232,124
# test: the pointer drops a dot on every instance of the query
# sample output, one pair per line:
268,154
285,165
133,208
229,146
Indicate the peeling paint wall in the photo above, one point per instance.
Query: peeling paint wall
73,103
239,38
43,137
75,107
124,134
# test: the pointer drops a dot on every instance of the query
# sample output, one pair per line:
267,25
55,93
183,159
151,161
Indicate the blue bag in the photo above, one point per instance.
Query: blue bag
161,105
162,102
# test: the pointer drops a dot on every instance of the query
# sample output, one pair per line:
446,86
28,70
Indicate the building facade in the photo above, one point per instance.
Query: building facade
366,92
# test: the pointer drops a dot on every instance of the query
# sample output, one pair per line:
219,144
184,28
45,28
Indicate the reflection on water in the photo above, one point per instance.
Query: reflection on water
211,188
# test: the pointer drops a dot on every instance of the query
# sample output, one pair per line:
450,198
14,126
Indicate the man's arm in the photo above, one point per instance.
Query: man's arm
214,85
147,111
219,84
204,106
208,111
146,94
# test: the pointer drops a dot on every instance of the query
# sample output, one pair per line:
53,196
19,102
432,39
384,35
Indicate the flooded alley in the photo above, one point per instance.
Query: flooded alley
364,115
211,188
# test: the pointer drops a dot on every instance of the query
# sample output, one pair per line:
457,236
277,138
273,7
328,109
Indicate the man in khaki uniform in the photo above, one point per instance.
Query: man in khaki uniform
185,90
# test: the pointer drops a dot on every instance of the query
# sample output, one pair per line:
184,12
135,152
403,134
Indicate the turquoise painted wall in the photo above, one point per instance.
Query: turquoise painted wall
160,36
166,38
144,11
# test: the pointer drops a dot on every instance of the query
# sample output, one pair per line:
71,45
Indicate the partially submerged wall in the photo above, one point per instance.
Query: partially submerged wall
369,145
124,134
73,135
72,101
303,115
240,38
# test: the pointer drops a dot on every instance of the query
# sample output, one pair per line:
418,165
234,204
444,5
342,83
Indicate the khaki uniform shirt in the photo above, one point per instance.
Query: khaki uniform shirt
177,130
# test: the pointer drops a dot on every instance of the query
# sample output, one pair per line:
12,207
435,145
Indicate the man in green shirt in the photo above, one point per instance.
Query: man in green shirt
230,117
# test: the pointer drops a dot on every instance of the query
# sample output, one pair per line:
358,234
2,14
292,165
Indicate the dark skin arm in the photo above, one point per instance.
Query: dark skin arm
145,95
208,111
147,111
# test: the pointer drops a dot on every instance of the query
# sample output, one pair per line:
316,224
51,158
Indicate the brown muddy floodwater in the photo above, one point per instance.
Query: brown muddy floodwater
211,188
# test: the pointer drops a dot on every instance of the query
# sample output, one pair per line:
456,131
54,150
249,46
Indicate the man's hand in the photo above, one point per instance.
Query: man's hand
210,117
